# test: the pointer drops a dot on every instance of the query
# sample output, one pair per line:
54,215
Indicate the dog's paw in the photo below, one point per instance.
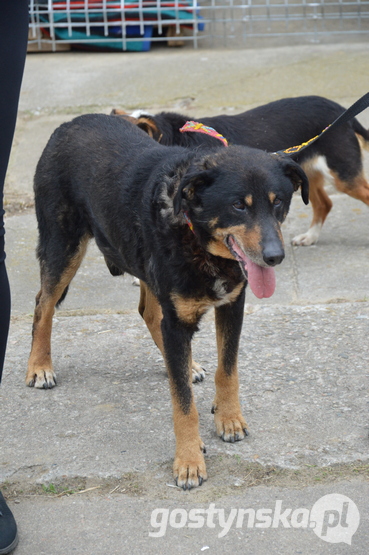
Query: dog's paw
230,427
198,372
189,468
303,240
41,379
309,238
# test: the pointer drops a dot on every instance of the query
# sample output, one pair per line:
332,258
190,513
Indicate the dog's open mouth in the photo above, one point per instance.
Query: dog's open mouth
260,279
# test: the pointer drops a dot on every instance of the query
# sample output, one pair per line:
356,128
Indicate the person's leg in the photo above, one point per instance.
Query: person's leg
4,307
13,46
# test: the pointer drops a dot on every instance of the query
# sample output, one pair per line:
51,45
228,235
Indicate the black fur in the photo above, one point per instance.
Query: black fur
277,126
103,177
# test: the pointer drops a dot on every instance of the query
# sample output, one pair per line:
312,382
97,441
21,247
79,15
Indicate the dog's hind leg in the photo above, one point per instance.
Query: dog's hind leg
150,310
321,204
54,286
341,154
357,187
230,424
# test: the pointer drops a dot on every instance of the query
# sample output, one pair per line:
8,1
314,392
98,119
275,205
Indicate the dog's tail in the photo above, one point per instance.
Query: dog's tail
362,134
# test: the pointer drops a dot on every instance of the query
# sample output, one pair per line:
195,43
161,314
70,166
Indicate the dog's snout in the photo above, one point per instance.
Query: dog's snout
273,255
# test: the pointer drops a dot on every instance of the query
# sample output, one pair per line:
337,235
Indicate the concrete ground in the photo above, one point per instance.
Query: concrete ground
86,467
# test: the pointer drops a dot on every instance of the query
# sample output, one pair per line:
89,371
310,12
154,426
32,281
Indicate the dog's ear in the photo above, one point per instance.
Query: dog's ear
189,186
118,112
147,124
296,174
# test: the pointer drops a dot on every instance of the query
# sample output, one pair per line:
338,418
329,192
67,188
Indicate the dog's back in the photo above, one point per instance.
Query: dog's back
272,127
280,125
83,152
82,178
92,139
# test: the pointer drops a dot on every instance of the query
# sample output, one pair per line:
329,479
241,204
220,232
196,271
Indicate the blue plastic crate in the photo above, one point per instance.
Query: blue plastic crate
97,41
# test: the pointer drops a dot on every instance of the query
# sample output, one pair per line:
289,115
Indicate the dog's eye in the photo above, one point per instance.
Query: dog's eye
239,205
277,202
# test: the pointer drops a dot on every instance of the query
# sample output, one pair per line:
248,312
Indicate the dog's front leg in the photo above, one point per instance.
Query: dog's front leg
229,422
151,312
189,465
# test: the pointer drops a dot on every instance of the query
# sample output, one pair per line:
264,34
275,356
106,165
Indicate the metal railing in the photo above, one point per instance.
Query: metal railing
135,24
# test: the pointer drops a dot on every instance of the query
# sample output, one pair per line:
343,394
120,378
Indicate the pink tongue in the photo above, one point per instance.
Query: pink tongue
260,279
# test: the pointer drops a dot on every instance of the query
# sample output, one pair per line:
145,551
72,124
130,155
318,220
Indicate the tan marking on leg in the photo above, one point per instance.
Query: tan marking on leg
229,421
189,467
40,372
321,204
151,312
357,188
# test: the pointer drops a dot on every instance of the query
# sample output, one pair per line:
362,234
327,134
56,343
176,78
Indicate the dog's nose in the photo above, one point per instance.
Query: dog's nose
273,255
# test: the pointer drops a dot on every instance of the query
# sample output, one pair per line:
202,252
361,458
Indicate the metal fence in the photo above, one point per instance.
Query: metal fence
136,24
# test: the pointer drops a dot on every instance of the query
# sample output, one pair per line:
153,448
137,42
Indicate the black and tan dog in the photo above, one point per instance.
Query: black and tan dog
193,225
277,126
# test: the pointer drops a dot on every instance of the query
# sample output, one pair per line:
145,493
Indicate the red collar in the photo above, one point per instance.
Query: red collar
195,126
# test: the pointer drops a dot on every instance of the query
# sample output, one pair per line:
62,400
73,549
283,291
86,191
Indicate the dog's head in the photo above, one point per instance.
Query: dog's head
165,128
237,200
143,120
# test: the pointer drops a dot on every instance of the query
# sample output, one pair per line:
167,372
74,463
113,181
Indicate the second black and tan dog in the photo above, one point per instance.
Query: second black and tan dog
279,125
194,226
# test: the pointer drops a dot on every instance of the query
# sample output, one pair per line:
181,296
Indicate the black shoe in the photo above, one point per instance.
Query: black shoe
8,528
